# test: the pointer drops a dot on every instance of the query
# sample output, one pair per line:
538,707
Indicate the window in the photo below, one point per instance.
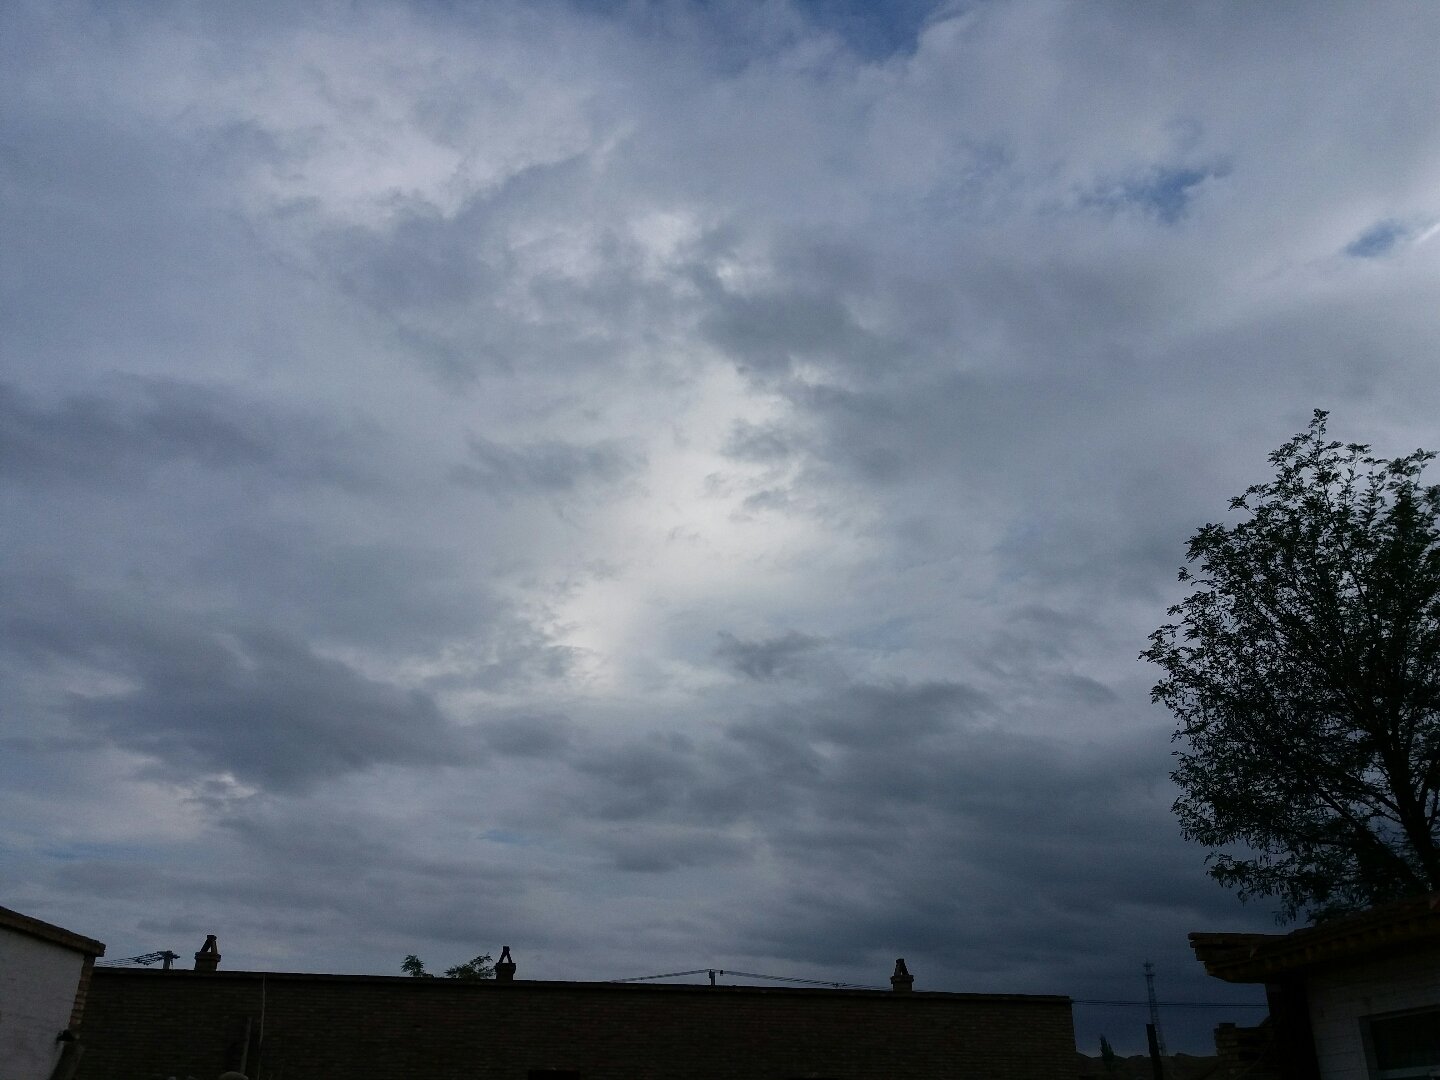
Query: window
1403,1046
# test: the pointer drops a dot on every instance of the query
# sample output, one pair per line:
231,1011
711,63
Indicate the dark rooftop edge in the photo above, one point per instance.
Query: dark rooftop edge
56,935
500,986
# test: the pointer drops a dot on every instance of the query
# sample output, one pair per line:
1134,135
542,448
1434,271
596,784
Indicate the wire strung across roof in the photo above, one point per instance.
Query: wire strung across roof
750,975
863,986
143,960
1176,1004
150,958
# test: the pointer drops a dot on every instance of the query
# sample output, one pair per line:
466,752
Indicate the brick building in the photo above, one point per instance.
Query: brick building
280,1025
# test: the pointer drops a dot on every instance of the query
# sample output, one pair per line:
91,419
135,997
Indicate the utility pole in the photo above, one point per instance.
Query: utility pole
1156,1037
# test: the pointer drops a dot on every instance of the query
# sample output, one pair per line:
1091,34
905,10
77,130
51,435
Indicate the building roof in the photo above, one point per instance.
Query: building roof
544,985
56,935
1254,958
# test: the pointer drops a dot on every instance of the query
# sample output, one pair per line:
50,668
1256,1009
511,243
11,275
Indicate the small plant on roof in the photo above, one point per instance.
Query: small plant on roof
481,967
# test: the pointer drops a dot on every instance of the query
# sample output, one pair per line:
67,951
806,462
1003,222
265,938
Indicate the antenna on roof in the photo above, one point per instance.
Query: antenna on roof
1154,1006
144,958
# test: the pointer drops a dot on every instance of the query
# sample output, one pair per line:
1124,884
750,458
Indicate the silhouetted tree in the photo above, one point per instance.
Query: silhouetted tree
1108,1057
1304,670
481,967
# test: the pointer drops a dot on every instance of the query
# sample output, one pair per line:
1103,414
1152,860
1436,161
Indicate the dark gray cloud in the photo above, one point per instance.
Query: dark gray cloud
144,424
657,850
426,262
653,778
762,443
768,333
199,698
393,595
403,598
867,715
547,467
856,749
413,896
269,711
767,658
529,735
999,855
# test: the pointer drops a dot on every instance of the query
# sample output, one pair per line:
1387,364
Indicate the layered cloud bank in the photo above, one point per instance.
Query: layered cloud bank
664,485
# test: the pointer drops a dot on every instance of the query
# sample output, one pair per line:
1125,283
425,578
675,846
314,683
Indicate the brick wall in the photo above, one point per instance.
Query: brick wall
1245,1052
141,1024
82,991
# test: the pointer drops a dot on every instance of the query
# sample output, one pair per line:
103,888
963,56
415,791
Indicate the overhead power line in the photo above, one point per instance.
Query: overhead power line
1175,1004
713,972
1140,1003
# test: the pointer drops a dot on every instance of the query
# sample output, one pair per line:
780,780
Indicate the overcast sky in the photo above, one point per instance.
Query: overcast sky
665,485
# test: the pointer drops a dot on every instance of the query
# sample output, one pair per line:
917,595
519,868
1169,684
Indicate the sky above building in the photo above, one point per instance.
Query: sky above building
665,485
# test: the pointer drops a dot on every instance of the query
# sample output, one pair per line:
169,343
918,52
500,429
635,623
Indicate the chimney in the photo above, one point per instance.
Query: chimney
505,967
902,982
208,958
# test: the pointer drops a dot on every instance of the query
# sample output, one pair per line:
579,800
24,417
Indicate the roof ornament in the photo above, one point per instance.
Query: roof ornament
902,981
208,958
504,967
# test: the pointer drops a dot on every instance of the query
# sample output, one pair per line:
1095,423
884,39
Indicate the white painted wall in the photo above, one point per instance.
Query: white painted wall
38,980
1339,998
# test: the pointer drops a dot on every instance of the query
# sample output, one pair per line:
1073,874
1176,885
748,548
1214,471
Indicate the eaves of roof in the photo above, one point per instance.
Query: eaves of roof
1257,958
56,935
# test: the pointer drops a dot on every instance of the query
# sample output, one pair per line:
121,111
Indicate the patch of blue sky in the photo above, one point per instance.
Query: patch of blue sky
1164,193
99,852
871,29
506,836
1377,240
